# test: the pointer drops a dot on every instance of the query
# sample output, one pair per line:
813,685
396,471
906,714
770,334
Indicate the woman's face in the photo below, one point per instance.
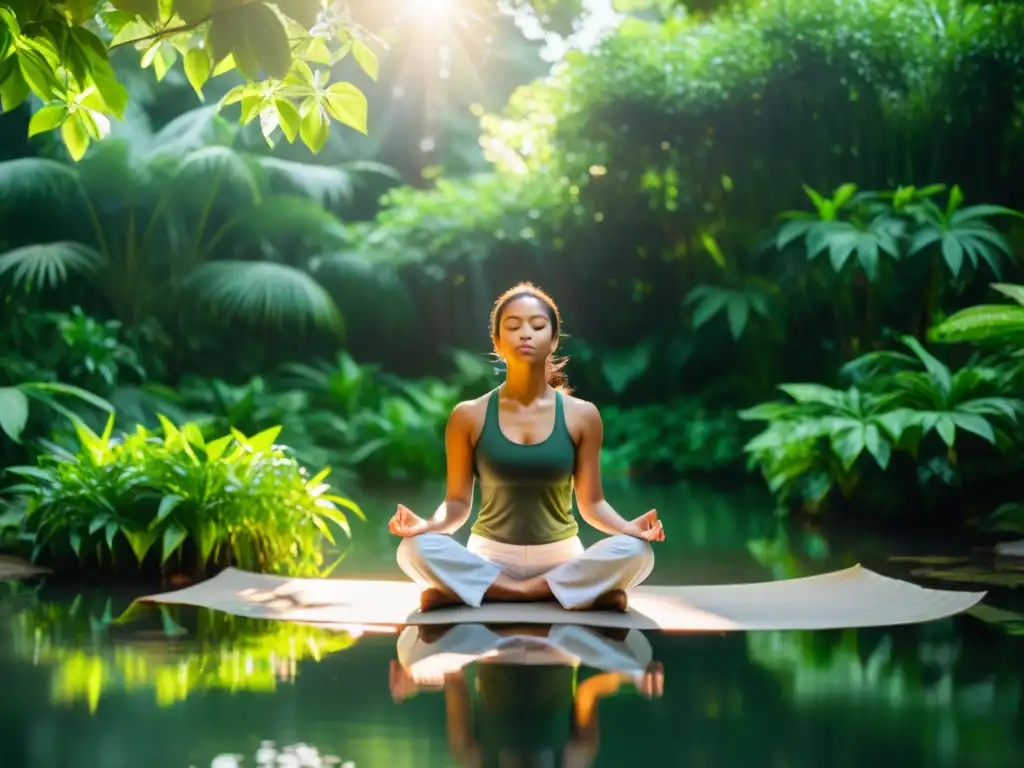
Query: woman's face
525,331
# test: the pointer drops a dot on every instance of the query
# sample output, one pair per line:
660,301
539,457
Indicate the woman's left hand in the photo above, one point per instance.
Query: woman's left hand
647,527
651,684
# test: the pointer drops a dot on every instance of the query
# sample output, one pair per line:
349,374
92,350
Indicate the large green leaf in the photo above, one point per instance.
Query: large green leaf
13,412
987,322
262,292
50,265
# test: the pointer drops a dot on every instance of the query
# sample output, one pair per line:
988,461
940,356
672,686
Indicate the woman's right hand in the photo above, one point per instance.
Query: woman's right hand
406,523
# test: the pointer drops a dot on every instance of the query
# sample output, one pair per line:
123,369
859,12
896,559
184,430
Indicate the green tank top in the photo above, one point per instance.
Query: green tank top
523,709
525,490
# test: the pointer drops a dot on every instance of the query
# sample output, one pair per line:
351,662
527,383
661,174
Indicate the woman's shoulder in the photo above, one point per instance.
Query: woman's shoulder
471,412
579,405
580,415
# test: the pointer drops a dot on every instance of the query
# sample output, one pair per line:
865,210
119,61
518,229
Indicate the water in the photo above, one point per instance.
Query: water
951,693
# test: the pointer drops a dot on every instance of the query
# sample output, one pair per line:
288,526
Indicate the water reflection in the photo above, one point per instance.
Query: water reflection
170,652
514,695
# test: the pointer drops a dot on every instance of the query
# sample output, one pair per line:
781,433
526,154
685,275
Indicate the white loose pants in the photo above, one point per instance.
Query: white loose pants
464,644
577,576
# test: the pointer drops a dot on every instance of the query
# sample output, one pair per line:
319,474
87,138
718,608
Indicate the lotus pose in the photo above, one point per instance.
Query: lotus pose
514,695
531,444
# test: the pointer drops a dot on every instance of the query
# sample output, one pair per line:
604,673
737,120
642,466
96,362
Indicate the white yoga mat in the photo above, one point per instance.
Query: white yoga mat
854,597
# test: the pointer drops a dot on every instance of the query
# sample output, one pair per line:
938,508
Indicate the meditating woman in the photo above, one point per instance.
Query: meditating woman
531,444
519,695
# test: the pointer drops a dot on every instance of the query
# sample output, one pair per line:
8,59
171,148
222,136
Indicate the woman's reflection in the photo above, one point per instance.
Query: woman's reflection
521,703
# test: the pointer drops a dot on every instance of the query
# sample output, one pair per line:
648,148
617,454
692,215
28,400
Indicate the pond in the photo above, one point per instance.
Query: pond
192,688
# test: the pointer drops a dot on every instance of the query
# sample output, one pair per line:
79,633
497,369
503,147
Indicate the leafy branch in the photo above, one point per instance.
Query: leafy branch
284,49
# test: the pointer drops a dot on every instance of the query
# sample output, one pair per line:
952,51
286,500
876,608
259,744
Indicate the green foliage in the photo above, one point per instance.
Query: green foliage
156,246
612,175
824,438
15,401
1001,325
234,500
53,359
60,52
465,219
678,438
900,224
359,420
738,306
997,323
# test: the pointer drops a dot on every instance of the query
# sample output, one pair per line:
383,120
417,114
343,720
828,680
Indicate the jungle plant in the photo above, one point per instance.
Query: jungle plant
15,400
812,443
818,441
151,244
677,438
1001,326
235,500
31,365
60,53
364,423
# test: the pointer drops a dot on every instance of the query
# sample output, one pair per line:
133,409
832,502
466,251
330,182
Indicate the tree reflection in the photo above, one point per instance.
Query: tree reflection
186,652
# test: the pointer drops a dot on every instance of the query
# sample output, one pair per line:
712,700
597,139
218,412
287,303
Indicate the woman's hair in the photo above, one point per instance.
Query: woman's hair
553,365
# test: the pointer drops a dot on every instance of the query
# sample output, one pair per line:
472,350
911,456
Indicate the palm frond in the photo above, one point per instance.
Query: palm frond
115,176
362,287
323,184
135,127
262,292
217,167
48,265
196,129
287,216
31,182
371,167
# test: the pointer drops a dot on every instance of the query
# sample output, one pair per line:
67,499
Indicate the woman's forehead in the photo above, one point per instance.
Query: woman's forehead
525,307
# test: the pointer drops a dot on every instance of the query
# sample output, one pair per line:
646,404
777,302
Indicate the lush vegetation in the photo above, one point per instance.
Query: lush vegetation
235,500
729,200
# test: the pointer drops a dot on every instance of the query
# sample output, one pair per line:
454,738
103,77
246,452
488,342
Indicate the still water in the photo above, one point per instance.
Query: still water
192,688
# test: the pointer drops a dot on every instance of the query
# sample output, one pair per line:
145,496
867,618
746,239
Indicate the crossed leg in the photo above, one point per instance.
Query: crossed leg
595,578
427,662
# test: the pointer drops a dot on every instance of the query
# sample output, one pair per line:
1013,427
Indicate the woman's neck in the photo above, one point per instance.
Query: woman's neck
525,385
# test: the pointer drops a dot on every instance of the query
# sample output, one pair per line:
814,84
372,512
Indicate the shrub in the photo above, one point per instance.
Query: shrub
236,500
821,440
682,437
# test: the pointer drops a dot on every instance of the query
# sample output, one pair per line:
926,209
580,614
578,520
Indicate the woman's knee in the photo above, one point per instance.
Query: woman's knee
415,549
632,548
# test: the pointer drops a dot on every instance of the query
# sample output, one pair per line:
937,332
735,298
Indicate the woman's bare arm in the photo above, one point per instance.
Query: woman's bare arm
594,509
459,721
458,501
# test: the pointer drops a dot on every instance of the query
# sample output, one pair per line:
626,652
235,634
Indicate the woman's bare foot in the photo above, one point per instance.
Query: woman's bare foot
431,633
612,600
433,598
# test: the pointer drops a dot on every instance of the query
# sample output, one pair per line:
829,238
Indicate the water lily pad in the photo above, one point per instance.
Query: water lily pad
981,576
1010,622
928,559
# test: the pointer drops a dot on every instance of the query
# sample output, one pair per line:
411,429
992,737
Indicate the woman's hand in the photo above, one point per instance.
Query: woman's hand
401,683
651,684
406,523
647,527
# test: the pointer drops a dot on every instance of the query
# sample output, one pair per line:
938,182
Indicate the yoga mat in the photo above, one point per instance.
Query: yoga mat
850,598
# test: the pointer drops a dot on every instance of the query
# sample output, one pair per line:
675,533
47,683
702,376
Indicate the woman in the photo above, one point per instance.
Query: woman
531,444
513,696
